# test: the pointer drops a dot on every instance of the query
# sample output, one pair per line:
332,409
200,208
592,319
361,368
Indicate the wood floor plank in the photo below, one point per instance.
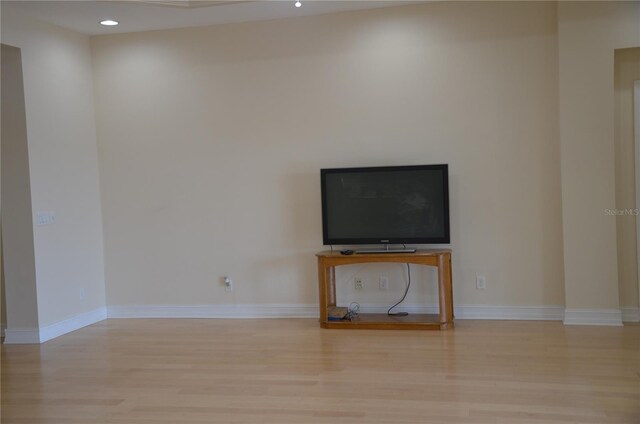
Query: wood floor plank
290,371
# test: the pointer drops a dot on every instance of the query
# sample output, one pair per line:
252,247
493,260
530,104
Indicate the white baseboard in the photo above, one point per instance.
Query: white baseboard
311,311
537,313
534,313
630,314
71,324
34,335
486,312
593,317
22,336
214,311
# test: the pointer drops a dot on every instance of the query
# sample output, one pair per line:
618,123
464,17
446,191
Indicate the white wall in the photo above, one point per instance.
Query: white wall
63,166
211,140
588,35
627,70
3,296
3,302
17,235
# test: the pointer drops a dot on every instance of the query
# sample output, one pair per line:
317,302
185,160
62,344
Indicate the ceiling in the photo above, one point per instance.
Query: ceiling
135,15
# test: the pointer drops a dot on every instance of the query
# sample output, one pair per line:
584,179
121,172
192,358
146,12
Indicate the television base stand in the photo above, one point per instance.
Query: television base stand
386,249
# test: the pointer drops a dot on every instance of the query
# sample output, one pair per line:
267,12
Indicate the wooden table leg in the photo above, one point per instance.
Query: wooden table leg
322,290
444,291
449,276
331,301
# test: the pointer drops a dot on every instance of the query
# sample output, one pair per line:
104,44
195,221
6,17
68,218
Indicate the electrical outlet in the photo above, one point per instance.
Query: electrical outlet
83,293
228,284
358,283
481,282
384,283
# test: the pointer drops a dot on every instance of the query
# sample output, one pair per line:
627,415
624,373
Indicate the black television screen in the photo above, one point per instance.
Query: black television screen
388,205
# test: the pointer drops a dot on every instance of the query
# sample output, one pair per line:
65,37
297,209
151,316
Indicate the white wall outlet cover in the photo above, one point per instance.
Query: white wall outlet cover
481,282
384,283
228,284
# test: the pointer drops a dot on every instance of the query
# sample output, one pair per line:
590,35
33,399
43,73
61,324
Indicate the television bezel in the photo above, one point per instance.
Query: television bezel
445,239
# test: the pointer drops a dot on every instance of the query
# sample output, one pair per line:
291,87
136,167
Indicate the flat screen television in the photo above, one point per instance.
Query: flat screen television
385,205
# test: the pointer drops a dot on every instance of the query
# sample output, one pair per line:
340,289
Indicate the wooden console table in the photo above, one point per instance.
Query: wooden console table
441,258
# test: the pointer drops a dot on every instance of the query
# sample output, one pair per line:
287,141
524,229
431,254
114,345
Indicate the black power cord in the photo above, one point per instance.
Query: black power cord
406,290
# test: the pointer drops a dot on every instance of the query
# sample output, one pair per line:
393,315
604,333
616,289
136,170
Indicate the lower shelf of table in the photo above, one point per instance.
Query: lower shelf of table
384,321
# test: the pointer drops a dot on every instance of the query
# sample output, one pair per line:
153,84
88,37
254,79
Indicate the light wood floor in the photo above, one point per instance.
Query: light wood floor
291,371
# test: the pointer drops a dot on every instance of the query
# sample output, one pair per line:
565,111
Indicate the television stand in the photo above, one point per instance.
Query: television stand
440,258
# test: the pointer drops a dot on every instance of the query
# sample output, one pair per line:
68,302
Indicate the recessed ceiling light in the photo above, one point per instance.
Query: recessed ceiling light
298,3
109,22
